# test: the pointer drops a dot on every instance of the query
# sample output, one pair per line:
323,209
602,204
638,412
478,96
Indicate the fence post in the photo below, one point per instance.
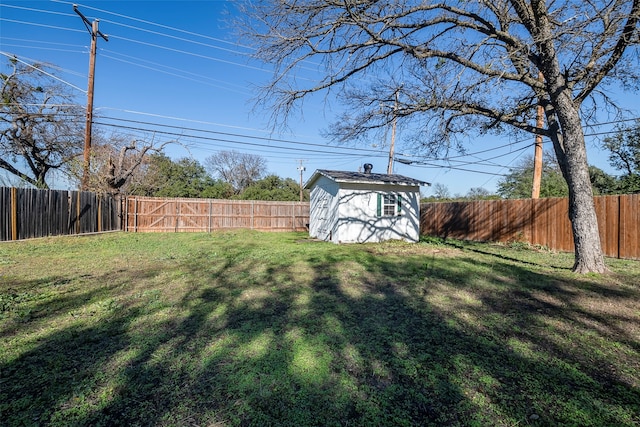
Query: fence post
210,214
78,212
99,213
177,215
618,225
14,213
135,214
124,213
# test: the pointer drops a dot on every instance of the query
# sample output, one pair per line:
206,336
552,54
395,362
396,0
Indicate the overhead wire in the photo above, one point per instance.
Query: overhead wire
157,33
31,9
157,64
346,151
49,65
528,144
54,27
197,55
614,122
156,24
181,119
169,73
438,166
8,55
52,49
115,36
238,135
481,162
178,30
242,143
36,41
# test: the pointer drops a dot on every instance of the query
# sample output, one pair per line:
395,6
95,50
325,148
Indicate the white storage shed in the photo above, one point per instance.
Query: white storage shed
359,207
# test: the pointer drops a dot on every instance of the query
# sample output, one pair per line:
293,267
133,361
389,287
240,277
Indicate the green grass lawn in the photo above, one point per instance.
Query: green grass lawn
247,328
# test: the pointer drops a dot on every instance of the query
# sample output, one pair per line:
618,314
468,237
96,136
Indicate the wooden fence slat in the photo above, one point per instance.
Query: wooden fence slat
629,239
14,213
541,221
36,213
154,214
30,212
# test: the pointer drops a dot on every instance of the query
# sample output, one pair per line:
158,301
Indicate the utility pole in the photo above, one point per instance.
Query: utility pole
301,169
393,136
537,157
93,30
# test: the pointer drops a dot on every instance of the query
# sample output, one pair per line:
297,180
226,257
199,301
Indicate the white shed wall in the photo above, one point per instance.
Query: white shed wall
323,209
357,220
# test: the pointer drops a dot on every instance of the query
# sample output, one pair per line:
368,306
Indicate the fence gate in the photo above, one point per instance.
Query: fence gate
153,214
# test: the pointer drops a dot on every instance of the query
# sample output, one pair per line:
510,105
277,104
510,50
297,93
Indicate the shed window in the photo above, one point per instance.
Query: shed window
389,205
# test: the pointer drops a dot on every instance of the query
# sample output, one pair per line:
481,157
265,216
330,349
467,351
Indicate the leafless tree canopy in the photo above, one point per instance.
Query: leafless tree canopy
454,63
117,162
40,126
238,169
458,68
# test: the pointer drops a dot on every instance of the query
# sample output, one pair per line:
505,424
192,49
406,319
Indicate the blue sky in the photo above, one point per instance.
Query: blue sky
176,67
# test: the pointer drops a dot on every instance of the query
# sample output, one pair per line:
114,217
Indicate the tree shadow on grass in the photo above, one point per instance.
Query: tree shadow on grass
364,339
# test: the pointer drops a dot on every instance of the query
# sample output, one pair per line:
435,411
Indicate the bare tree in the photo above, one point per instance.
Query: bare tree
40,126
624,149
115,162
458,68
238,169
440,191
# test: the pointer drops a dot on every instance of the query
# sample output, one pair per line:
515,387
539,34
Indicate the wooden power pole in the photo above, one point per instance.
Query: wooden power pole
301,169
393,137
537,157
93,30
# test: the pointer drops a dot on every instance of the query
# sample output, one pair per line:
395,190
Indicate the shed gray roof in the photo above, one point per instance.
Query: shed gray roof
363,178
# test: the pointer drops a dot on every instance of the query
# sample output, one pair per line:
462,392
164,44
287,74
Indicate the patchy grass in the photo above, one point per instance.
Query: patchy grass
246,328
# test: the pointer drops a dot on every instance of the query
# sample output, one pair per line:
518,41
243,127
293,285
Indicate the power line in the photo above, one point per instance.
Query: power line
137,64
197,55
10,56
528,144
53,66
486,163
30,9
238,135
181,119
52,49
65,114
459,162
37,41
179,30
614,122
159,25
205,138
54,27
457,167
174,37
607,133
152,44
506,166
434,166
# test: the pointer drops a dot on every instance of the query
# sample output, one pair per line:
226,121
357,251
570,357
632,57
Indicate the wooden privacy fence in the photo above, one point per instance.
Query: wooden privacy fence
149,214
539,222
27,213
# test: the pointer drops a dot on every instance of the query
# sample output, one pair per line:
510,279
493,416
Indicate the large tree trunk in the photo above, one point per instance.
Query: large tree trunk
572,157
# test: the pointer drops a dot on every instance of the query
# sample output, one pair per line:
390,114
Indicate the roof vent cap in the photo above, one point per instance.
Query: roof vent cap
367,168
